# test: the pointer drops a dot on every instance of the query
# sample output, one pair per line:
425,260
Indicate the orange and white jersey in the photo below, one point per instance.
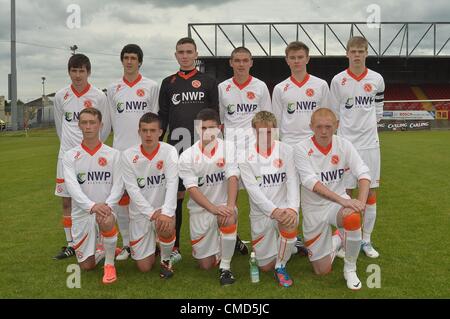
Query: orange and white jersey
209,174
151,180
92,176
358,103
271,181
239,103
293,103
68,105
328,166
128,102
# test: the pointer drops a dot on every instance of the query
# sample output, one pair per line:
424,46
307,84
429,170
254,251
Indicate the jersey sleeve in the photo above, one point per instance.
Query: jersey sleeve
170,199
308,178
231,161
325,96
255,193
153,101
186,170
357,166
335,97
58,115
266,103
72,185
293,188
106,117
129,179
164,107
118,186
111,106
221,104
379,100
277,104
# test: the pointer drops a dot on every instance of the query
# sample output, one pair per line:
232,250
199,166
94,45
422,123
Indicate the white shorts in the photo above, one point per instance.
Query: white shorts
265,233
205,235
371,158
84,233
317,234
142,238
60,189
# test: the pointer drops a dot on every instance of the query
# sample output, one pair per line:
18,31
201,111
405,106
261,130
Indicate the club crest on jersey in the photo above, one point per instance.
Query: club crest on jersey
344,80
335,159
160,165
368,87
278,163
221,162
196,84
250,95
66,96
102,161
87,104
135,159
310,92
140,92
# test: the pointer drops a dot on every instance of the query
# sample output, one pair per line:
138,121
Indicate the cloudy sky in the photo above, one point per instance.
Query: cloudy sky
44,35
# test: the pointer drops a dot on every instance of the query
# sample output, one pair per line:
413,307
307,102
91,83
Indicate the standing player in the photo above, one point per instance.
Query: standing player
271,181
296,98
357,97
150,174
93,180
69,102
181,97
210,174
129,98
240,98
321,162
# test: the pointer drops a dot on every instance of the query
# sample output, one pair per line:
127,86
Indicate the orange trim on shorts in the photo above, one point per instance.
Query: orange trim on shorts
125,200
352,222
67,221
311,241
288,235
372,200
195,241
134,242
80,243
167,240
228,229
59,180
257,240
111,233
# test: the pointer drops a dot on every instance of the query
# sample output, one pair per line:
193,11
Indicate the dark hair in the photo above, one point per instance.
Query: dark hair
149,117
186,40
79,60
132,48
295,46
208,115
240,50
92,111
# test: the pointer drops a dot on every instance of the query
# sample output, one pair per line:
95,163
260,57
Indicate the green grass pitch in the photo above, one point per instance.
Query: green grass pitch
411,233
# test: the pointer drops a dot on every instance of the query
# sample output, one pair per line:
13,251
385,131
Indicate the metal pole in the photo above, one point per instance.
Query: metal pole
14,115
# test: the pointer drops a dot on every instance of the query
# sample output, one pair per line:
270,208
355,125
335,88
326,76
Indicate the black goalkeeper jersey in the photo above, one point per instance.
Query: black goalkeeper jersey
181,97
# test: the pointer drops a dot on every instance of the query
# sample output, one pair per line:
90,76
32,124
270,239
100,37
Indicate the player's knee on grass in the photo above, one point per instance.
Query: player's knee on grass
352,221
322,266
146,264
166,234
107,224
207,263
88,264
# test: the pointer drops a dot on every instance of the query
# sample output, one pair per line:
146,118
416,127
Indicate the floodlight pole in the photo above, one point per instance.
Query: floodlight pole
14,115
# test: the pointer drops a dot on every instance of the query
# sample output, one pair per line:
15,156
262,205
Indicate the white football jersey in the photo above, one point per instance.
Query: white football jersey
68,104
128,102
151,180
209,174
238,104
327,166
92,176
293,103
358,104
271,181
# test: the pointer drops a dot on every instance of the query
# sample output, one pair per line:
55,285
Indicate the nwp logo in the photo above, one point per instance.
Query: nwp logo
241,108
93,177
332,176
71,116
359,102
131,106
187,97
211,179
271,180
151,181
300,106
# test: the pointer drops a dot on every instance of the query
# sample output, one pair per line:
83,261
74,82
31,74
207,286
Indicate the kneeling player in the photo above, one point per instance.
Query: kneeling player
272,184
205,169
321,162
93,180
151,179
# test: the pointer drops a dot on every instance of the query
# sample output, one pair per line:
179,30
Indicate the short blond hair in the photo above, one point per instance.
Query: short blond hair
357,41
264,117
323,112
